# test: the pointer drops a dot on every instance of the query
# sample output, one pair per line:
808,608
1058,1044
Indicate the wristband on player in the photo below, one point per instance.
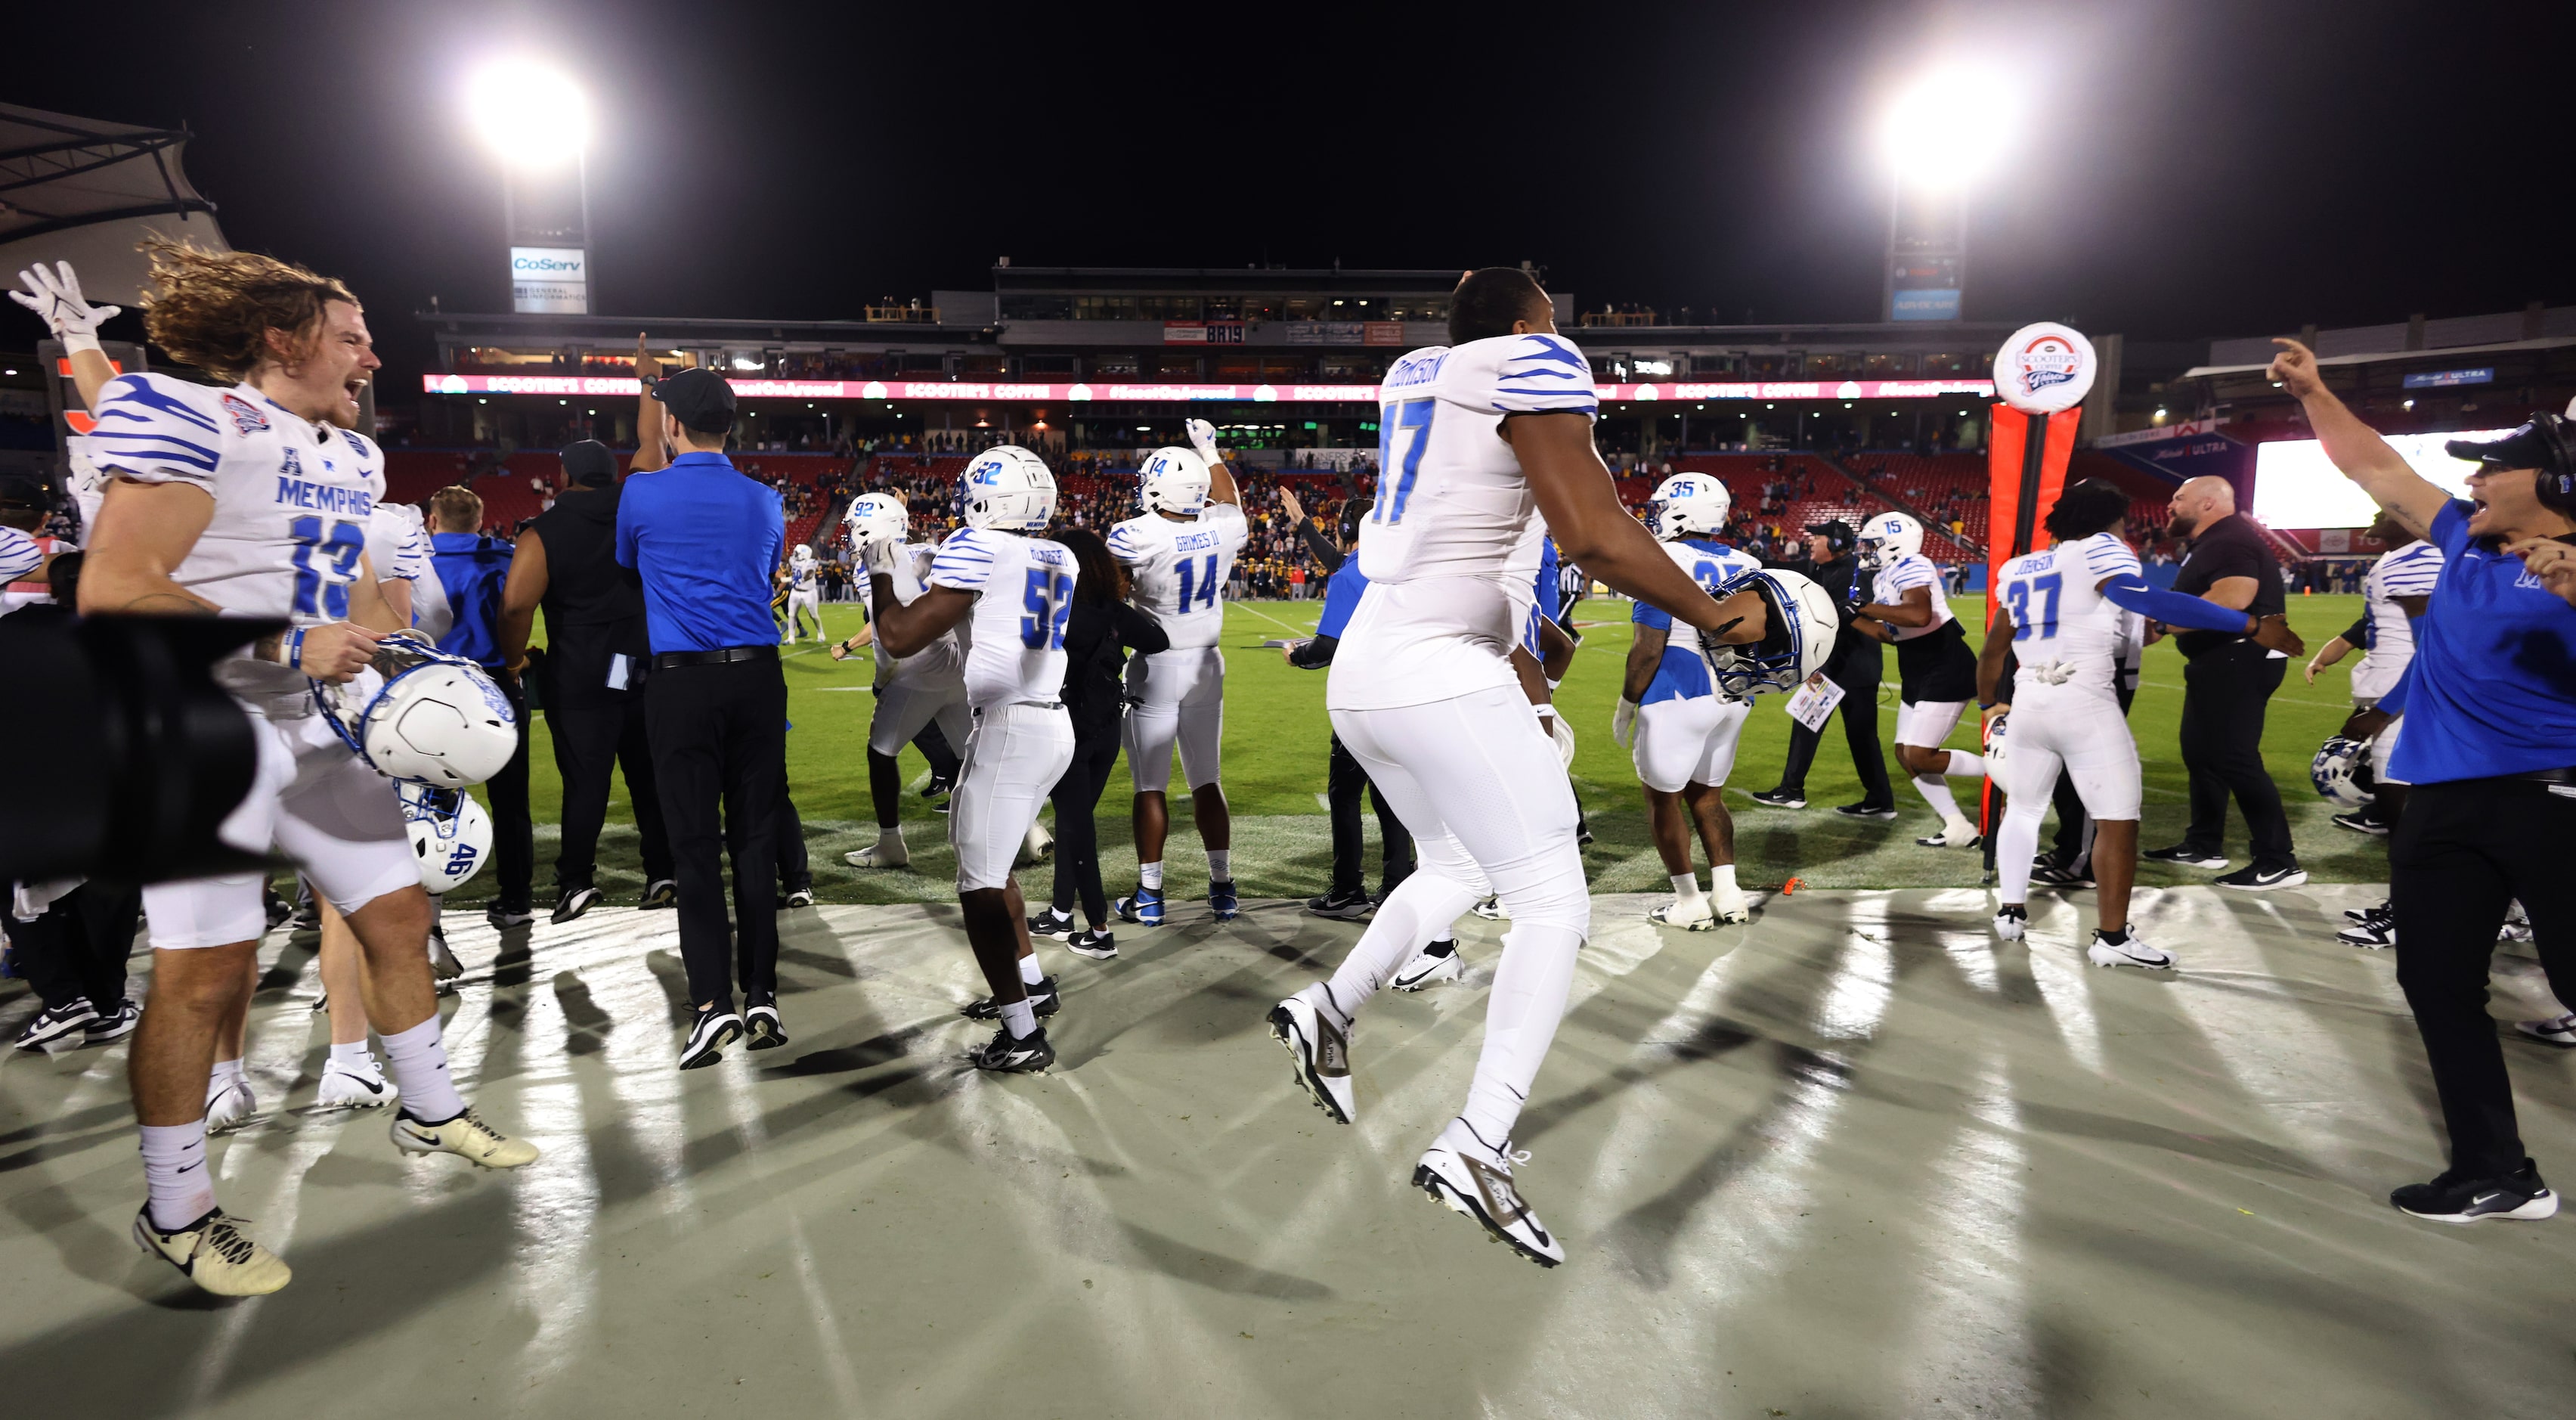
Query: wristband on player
78,341
290,649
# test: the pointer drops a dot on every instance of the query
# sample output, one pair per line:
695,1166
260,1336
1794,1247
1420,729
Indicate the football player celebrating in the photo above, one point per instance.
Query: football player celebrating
804,592
1936,672
912,690
1178,556
1683,730
2059,612
1478,441
1006,592
255,501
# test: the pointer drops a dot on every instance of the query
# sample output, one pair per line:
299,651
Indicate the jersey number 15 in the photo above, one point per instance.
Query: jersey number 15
1049,600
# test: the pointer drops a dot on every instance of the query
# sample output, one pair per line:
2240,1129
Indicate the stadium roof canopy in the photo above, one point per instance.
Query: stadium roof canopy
87,191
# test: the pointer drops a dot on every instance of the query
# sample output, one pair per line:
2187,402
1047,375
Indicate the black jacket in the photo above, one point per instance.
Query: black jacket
1097,637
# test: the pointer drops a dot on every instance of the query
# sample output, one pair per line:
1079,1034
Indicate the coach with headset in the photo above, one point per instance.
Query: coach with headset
2490,748
1833,563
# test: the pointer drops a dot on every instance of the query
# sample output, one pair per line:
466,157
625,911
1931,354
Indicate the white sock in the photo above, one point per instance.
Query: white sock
174,1169
1217,866
1151,874
1020,1019
419,1064
1029,973
1420,908
2015,843
1936,792
225,1072
352,1052
890,836
1686,887
1722,877
1964,765
1530,986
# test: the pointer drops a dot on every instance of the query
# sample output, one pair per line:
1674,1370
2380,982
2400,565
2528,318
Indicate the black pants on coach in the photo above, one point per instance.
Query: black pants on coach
719,737
77,949
596,730
1076,797
1857,671
2225,692
1344,782
2460,853
514,837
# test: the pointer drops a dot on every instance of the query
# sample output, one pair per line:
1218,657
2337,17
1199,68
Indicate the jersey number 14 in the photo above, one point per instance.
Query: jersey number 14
1197,584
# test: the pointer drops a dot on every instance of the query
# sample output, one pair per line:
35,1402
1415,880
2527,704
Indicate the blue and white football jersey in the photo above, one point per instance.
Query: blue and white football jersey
2388,634
1177,568
1891,582
293,503
1683,673
803,568
1451,549
1014,639
2064,630
937,666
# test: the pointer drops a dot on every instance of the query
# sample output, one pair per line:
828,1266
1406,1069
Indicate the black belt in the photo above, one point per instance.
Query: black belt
1032,704
664,660
2550,776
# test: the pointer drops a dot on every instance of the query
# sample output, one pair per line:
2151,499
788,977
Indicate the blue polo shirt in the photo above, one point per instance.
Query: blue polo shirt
1543,603
1341,597
704,539
471,569
2492,689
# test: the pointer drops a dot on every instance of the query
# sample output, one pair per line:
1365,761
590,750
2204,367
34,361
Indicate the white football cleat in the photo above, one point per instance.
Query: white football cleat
1491,909
1321,1046
1696,916
1464,1176
1726,903
1434,963
2133,952
884,853
357,1086
229,1106
464,1136
2010,920
215,1255
1037,847
1957,833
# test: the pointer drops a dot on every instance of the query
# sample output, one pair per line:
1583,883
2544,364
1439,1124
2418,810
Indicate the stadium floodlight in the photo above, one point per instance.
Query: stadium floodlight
530,113
1949,126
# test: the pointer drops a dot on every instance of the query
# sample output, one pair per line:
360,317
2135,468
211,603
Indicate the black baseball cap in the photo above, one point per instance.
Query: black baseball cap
1836,531
589,463
700,399
2541,443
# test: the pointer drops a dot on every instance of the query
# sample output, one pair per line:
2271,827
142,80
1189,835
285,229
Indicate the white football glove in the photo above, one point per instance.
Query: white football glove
880,556
56,297
1203,439
1623,722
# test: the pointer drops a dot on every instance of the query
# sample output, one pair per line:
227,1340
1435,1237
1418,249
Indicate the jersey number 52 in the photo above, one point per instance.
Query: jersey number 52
1049,600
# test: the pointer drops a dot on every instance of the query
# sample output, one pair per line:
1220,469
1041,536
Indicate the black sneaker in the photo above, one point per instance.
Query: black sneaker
1340,906
762,1029
56,1024
279,910
798,895
1042,999
2360,821
1051,923
715,1028
443,964
1781,799
1883,813
1013,1055
2364,914
660,893
2254,877
2186,855
2450,1198
2046,871
939,784
1097,945
305,918
2377,932
113,1025
572,902
505,915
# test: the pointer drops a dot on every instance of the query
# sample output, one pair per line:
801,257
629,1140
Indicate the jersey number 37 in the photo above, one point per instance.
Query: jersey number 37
1049,600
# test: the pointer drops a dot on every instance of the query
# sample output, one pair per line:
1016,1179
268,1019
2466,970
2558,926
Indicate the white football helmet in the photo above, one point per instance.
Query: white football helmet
1176,481
2336,769
1009,489
1689,503
1889,536
803,556
1795,644
450,835
877,517
421,715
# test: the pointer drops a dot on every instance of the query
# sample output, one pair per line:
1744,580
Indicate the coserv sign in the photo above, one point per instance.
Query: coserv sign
550,280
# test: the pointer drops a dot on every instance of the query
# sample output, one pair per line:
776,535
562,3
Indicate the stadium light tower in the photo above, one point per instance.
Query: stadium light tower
1944,131
536,120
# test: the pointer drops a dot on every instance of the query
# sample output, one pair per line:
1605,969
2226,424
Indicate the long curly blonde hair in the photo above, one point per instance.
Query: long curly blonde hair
214,310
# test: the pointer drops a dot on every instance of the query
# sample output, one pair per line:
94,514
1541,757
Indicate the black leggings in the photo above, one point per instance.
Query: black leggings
1077,838
2459,854
78,947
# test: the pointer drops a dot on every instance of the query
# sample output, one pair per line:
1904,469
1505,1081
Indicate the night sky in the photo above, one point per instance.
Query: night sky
2186,170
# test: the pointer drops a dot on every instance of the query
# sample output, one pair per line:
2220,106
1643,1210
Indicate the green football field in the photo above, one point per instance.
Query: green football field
1275,739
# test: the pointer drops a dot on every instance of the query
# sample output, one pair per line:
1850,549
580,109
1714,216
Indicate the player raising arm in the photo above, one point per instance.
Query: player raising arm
1480,440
